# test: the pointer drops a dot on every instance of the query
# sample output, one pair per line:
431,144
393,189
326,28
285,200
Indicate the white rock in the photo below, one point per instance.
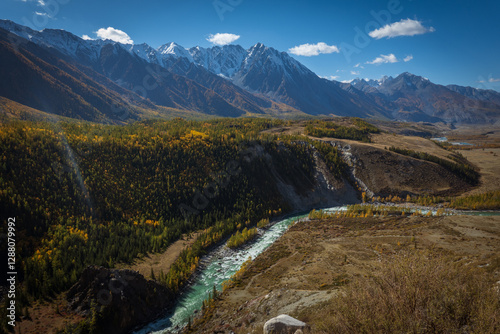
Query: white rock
283,324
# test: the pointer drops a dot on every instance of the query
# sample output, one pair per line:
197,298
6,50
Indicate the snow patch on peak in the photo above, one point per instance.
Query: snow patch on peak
224,60
61,40
145,52
174,49
19,30
385,78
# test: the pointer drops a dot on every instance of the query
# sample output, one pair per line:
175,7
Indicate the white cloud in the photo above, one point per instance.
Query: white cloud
491,79
114,35
41,14
406,27
222,39
358,65
313,49
39,2
408,58
87,38
355,72
331,77
384,59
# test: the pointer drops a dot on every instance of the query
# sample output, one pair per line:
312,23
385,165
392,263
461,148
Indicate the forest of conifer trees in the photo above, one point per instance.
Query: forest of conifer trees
97,194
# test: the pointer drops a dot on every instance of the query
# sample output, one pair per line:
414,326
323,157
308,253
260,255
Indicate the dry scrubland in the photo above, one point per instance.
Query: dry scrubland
392,274
485,154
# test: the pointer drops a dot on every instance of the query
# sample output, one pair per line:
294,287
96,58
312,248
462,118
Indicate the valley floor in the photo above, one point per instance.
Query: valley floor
315,260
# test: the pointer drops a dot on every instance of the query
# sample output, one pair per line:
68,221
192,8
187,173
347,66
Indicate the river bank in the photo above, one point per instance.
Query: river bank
315,259
215,268
221,262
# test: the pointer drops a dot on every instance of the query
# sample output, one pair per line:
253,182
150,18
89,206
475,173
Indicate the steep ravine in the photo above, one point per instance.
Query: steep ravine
300,192
352,161
375,171
327,190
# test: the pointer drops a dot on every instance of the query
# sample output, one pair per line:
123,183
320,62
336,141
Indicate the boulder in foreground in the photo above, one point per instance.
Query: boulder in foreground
284,324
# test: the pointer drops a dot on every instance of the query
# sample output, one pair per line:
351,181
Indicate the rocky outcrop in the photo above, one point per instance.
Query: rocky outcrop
121,299
387,173
352,161
323,190
284,324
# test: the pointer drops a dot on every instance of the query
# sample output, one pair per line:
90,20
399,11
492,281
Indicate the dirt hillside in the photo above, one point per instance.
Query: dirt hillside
388,173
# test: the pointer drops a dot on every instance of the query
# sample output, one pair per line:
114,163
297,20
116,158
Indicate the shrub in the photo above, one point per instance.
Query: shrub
415,293
485,201
240,238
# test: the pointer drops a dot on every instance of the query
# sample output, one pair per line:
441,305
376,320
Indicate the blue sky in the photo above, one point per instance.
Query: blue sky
446,41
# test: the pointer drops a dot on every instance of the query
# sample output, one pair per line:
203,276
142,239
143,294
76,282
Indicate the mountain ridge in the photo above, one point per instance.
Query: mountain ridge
416,98
232,81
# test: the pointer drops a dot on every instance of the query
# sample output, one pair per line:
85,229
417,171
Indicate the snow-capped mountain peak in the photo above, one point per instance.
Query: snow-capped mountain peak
61,40
173,49
267,57
385,78
262,70
225,60
145,52
18,29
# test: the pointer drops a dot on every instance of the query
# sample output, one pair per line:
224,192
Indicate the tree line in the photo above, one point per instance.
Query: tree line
359,130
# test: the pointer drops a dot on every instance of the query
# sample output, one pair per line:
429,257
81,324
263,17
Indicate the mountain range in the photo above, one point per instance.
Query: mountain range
56,72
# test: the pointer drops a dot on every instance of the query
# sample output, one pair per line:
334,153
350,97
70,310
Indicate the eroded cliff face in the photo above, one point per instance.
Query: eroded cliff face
370,169
382,173
306,192
324,190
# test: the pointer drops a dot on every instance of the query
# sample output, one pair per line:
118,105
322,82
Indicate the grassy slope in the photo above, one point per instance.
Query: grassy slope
11,110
